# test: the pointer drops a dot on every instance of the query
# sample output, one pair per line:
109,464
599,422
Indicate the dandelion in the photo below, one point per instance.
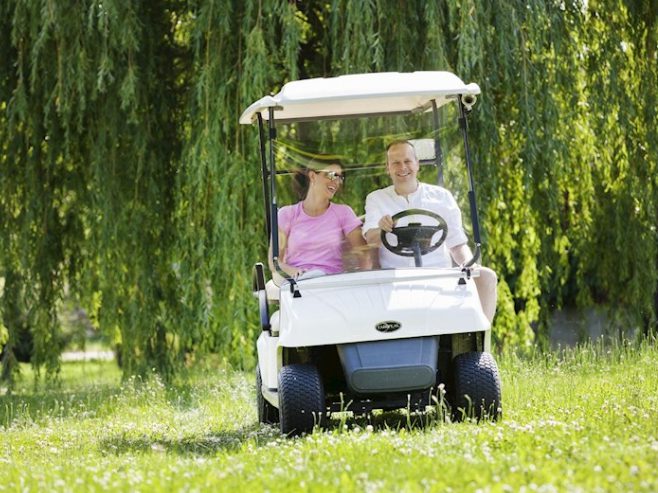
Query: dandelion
157,447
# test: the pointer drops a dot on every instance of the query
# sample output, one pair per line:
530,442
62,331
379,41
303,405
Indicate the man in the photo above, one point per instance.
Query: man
408,193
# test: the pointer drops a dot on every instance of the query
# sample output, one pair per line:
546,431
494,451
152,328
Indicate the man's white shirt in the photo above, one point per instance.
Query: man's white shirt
437,199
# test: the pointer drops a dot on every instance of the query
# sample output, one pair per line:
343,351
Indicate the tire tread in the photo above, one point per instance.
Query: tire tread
301,399
476,376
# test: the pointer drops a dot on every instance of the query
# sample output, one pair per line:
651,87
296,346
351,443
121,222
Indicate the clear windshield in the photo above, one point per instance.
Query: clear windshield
359,144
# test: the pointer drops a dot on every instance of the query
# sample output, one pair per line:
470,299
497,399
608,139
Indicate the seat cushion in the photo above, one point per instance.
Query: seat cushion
272,291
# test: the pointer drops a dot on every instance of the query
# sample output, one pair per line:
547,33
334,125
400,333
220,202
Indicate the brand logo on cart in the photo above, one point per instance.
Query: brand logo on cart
388,326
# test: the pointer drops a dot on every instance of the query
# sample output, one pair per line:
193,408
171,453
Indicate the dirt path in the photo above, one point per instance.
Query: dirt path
87,356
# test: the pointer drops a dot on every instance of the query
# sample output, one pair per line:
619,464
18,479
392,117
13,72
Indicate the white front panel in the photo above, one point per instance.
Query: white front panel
347,307
268,356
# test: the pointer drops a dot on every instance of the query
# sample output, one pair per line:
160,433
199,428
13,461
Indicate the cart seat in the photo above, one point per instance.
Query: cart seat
272,291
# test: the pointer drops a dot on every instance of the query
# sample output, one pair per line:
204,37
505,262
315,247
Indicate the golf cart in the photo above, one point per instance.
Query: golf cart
378,339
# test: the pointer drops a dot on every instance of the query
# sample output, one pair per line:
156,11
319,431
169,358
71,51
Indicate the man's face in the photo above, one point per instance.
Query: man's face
402,165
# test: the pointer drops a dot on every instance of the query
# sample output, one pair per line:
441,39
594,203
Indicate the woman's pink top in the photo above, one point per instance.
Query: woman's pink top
317,242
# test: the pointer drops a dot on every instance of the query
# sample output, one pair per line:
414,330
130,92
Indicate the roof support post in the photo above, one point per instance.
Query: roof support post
274,210
265,174
438,153
471,185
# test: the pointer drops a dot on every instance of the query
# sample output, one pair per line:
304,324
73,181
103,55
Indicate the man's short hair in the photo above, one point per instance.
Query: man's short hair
400,142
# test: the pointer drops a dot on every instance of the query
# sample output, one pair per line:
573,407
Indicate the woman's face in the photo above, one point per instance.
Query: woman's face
327,181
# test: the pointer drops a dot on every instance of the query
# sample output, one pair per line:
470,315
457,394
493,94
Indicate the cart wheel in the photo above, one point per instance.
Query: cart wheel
301,399
267,413
477,387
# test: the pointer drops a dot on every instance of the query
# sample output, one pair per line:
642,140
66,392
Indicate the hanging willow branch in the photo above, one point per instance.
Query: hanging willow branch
127,183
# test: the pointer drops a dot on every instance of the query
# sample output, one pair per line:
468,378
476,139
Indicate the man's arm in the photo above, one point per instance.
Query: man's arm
373,235
461,253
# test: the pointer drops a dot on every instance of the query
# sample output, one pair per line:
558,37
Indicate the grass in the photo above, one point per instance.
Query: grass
585,420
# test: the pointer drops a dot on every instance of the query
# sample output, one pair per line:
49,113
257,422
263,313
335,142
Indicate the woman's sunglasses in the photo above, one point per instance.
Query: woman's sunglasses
333,175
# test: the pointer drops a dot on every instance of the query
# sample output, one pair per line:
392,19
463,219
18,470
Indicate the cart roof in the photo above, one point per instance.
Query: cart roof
360,95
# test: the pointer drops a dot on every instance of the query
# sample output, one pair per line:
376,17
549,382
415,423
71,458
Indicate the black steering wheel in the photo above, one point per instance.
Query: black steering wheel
415,239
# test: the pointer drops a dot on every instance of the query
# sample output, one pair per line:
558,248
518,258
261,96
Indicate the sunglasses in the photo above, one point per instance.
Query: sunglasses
333,175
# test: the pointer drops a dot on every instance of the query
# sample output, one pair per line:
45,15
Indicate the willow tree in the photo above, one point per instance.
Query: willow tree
127,182
91,99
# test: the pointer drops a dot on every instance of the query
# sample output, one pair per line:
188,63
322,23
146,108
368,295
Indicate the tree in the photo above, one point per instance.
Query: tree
127,181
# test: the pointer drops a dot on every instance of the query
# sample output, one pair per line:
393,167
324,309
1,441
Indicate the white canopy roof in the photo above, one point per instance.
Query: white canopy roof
360,94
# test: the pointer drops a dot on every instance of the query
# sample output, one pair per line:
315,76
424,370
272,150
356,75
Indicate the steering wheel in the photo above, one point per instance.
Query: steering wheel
415,239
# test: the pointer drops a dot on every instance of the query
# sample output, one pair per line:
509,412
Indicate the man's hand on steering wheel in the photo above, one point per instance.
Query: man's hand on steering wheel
386,223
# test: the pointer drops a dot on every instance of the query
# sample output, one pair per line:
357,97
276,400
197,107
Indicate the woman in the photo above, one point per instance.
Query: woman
313,232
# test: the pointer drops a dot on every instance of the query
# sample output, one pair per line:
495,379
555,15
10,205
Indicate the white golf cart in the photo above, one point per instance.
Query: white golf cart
379,339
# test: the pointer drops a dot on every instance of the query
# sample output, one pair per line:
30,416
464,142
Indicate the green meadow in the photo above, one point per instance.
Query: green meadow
581,420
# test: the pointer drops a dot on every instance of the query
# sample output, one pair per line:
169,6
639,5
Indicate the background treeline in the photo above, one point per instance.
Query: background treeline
127,183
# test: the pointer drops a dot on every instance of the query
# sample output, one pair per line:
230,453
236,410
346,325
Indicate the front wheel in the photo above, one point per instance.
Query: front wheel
477,386
301,399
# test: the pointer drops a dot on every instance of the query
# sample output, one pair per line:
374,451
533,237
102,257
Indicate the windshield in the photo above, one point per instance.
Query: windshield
359,144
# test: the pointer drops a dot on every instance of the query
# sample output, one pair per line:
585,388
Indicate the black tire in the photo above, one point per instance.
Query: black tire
301,399
267,413
477,390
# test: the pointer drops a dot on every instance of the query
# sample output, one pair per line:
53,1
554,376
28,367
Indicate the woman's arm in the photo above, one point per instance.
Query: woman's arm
360,248
288,269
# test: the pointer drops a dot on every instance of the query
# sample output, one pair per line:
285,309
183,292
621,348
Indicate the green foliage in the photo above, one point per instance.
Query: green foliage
126,179
91,141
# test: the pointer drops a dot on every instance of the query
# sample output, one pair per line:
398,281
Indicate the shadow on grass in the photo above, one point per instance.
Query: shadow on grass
234,440
261,435
81,389
258,435
208,444
56,402
387,420
86,389
51,403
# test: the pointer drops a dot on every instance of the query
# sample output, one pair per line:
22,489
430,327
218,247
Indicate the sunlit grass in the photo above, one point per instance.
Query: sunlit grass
584,420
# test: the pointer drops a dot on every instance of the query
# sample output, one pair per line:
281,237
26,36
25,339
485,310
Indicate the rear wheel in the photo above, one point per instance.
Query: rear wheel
301,399
267,413
477,386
